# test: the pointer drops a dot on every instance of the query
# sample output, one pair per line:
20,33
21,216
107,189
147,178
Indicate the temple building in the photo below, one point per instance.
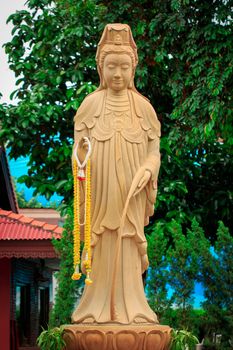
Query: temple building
27,265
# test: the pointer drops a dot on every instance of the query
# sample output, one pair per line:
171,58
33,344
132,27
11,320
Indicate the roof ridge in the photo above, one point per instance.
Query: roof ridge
25,220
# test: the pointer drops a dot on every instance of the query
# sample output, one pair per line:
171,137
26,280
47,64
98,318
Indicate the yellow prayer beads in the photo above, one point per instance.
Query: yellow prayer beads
87,223
76,232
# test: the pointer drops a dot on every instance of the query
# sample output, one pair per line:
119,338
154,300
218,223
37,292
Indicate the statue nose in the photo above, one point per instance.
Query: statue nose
117,73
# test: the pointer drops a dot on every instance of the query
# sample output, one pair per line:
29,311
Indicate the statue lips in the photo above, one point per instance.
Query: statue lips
118,82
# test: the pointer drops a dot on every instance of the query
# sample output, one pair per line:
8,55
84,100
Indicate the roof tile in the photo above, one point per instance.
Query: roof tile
25,219
58,230
38,223
49,227
5,212
16,227
14,216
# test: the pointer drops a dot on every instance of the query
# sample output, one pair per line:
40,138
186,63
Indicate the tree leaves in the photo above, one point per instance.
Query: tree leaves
217,274
185,69
50,74
67,290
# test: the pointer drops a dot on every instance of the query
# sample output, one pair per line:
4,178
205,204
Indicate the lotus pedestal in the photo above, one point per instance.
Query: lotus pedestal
117,337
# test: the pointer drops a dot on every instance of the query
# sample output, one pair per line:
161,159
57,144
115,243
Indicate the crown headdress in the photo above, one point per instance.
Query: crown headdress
117,35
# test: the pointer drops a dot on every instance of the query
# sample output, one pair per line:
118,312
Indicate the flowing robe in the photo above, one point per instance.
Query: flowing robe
120,147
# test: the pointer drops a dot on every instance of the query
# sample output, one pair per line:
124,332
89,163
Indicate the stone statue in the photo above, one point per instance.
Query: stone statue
124,132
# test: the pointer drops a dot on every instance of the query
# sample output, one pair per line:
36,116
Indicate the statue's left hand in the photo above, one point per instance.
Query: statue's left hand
143,180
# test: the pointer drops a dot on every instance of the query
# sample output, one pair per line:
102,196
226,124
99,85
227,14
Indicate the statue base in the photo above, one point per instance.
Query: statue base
117,337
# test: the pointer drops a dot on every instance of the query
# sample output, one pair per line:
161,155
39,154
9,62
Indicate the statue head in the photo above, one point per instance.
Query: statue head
117,45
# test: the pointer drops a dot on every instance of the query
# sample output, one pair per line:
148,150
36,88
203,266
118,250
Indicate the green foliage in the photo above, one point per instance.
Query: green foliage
194,320
52,78
183,270
157,289
51,339
32,202
183,340
184,68
67,291
178,260
217,273
21,200
23,203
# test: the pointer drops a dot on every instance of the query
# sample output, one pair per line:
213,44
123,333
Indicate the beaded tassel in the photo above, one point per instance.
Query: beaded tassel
76,252
87,231
87,223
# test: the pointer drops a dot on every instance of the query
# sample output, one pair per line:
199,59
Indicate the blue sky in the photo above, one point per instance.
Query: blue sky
18,168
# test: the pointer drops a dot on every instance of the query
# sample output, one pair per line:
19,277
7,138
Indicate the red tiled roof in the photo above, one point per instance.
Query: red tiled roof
19,227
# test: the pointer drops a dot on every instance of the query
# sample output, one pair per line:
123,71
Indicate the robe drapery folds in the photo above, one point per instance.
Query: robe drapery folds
120,147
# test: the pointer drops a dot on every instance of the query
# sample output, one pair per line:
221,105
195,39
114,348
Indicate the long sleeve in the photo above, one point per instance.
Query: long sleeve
152,162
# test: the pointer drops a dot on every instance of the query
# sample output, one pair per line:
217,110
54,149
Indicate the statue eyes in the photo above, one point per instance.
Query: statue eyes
123,66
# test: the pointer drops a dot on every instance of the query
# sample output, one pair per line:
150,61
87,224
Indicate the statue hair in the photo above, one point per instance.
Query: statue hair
108,49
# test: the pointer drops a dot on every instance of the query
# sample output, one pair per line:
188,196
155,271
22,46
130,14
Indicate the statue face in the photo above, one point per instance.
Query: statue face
117,71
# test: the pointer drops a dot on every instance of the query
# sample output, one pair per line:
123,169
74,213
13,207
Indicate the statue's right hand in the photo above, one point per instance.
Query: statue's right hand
83,144
82,149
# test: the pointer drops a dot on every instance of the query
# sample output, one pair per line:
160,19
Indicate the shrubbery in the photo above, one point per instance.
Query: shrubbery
179,260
